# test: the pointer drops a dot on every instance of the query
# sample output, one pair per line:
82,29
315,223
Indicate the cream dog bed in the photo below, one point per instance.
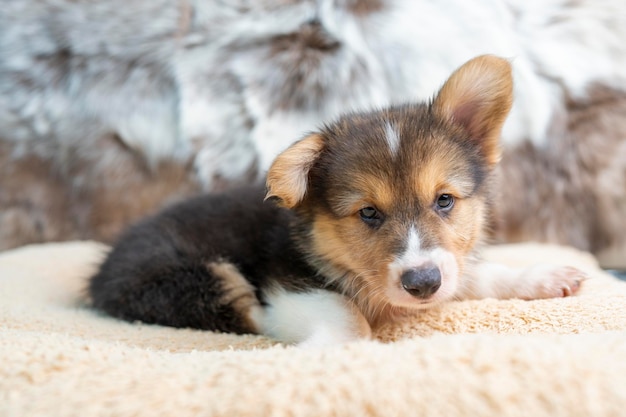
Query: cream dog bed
475,358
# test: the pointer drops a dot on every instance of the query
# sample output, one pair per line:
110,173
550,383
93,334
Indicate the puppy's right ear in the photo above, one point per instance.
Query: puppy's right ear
287,178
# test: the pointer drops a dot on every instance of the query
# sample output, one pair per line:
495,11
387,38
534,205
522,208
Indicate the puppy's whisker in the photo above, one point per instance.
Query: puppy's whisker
363,285
375,303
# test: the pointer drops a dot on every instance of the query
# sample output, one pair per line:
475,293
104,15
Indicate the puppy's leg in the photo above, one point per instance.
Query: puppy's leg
311,319
489,280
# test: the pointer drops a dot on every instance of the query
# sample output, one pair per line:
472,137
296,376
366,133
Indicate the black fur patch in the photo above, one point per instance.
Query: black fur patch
157,272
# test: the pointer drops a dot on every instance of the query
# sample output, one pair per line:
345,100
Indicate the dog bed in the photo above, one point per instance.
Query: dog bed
473,358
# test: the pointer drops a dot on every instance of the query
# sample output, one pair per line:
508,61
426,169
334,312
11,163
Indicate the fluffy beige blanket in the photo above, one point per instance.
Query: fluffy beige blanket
561,357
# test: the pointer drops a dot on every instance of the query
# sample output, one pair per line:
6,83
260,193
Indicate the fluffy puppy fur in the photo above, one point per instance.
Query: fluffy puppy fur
109,110
375,214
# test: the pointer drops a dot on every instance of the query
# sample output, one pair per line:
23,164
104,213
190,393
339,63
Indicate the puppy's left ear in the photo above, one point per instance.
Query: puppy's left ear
287,178
478,96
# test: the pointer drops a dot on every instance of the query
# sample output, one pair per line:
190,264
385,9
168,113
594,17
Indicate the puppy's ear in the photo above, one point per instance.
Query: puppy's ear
287,178
478,96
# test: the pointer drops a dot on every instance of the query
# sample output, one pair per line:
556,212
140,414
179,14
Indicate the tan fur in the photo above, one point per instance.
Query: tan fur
462,231
433,177
469,226
403,189
287,177
386,208
347,246
367,190
479,96
237,292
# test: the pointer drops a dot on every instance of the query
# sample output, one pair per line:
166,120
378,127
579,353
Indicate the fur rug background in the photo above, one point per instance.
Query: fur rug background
554,357
111,109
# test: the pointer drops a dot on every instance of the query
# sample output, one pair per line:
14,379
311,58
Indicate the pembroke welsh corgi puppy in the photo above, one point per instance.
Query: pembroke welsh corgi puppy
376,214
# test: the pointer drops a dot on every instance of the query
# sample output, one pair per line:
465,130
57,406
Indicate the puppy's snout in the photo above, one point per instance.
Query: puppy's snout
421,282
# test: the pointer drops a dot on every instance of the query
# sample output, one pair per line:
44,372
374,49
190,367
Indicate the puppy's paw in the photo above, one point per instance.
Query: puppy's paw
551,281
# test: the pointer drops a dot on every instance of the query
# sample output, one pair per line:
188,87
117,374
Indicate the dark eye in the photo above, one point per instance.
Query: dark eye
370,216
445,202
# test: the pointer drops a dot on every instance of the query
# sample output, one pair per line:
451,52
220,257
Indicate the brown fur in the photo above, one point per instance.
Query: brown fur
298,57
84,198
329,177
479,96
288,176
365,7
81,74
386,208
236,291
335,238
571,191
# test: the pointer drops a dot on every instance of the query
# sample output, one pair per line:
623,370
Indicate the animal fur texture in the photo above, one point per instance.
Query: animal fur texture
376,214
109,110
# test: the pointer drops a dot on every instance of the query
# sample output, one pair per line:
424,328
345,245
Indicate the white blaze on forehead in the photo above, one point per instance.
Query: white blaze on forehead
412,257
392,137
412,251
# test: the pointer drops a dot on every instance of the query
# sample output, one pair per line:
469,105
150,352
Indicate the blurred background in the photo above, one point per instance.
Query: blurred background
110,110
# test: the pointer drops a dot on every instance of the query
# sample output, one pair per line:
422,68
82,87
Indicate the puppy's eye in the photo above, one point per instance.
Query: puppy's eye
445,202
370,216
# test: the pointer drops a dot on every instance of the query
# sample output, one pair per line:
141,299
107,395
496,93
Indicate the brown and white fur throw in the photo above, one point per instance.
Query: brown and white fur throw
109,110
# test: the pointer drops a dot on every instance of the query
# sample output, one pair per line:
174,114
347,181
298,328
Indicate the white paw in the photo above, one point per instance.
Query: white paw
550,281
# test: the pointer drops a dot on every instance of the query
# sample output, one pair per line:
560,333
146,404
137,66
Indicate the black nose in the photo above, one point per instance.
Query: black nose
421,282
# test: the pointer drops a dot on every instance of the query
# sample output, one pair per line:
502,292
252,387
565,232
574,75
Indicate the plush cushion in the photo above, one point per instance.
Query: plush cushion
487,357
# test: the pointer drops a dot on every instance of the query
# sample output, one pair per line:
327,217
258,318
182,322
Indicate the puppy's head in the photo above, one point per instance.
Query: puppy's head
390,203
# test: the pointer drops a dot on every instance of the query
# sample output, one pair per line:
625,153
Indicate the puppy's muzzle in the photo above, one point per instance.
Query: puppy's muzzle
421,282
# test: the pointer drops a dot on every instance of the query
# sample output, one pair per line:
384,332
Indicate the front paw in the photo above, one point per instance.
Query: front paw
550,281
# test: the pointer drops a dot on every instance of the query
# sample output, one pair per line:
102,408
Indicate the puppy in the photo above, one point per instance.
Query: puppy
376,214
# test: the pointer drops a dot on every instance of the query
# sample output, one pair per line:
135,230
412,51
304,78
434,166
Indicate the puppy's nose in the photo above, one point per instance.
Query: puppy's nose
421,282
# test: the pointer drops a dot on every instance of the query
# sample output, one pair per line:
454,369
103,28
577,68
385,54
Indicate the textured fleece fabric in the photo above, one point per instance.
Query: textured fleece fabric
558,357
